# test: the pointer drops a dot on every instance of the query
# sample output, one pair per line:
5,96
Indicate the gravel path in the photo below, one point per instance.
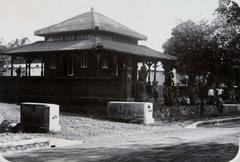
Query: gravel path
77,127
96,132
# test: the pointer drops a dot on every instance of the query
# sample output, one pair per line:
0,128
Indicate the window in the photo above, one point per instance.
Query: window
54,38
83,62
84,37
105,62
49,39
57,38
107,37
69,37
53,62
70,67
79,37
116,72
115,61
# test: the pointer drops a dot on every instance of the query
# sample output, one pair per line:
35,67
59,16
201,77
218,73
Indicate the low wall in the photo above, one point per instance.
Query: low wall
191,111
24,145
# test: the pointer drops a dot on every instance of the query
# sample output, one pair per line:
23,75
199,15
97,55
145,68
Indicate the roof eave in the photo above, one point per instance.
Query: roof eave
94,45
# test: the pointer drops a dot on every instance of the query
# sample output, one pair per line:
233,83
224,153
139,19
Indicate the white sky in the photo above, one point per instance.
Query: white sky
153,18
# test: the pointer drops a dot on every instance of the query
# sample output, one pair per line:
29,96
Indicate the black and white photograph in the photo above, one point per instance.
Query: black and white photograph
120,81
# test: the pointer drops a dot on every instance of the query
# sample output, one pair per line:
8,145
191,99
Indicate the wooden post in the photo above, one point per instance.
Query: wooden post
155,71
135,70
42,67
98,62
115,62
26,68
11,66
30,61
149,72
129,61
149,64
29,67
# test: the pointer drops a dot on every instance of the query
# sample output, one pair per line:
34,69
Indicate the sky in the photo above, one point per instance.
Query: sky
153,18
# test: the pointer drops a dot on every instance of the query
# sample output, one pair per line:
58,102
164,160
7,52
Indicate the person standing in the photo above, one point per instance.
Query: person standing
219,91
211,95
219,99
18,71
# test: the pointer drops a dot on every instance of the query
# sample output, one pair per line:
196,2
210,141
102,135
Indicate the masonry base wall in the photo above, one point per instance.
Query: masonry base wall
69,92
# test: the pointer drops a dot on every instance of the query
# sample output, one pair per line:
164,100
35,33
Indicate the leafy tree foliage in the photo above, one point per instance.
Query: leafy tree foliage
18,42
195,48
230,11
208,53
3,58
227,34
227,23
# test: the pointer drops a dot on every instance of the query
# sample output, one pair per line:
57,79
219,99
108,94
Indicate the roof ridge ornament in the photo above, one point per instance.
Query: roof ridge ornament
96,23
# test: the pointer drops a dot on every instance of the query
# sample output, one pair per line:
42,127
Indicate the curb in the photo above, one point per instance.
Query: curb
24,145
212,122
30,145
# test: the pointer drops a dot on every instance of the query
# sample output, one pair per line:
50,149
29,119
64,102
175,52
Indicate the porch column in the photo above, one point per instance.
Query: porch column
70,65
29,68
26,69
155,71
115,62
12,59
149,64
98,56
129,62
42,68
135,70
168,84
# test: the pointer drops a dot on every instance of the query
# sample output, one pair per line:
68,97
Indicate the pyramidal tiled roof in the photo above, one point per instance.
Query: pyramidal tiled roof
90,21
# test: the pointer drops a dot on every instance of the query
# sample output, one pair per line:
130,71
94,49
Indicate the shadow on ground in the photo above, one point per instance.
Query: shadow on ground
177,153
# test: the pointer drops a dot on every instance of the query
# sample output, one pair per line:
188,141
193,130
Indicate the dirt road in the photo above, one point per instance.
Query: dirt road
204,144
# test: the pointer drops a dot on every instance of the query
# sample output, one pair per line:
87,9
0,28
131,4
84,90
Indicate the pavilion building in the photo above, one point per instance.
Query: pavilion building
86,59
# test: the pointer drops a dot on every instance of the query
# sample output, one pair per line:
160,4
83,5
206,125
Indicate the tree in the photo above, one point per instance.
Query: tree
208,53
193,45
195,48
227,33
2,57
18,42
230,11
227,23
